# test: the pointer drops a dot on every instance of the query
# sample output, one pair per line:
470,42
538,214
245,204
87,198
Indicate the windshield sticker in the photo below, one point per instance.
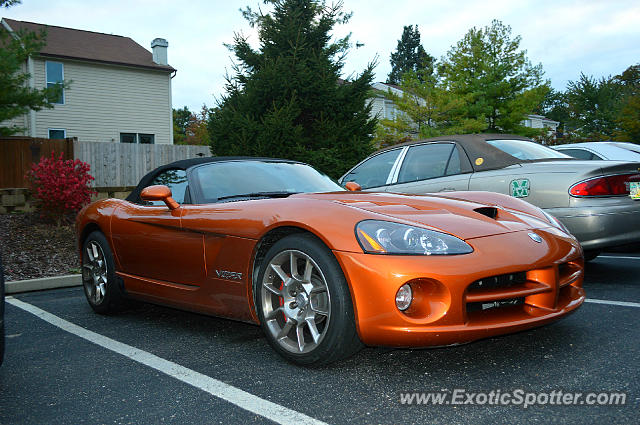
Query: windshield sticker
479,161
520,188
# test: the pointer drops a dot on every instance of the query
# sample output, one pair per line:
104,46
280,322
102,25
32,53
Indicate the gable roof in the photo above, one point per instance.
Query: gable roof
69,43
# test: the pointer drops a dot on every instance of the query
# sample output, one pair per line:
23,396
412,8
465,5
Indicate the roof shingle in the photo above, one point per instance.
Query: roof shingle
71,43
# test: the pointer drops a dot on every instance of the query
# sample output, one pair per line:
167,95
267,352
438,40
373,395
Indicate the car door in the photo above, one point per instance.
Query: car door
374,172
432,167
151,244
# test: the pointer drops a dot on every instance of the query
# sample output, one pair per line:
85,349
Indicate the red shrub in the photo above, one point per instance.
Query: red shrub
60,187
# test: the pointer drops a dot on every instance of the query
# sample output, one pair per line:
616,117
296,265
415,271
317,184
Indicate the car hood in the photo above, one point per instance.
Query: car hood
466,215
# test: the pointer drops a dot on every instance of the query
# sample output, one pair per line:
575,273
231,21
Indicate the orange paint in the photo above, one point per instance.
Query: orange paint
202,258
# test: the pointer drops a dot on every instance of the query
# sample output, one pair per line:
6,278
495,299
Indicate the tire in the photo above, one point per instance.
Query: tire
591,254
307,316
99,275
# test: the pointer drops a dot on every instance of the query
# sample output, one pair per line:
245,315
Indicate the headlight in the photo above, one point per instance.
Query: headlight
555,222
385,237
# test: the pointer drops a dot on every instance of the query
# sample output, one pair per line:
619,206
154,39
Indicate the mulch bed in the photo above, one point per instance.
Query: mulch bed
31,248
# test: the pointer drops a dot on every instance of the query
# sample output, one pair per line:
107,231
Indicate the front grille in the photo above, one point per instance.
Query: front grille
491,305
501,281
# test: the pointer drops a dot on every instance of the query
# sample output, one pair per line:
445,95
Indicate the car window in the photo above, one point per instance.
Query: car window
580,154
176,180
454,166
374,171
525,150
429,161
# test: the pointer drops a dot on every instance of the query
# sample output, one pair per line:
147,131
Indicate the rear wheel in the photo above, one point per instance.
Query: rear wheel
98,274
304,304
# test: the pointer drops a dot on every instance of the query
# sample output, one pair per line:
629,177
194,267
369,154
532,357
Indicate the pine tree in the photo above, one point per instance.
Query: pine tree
488,67
286,99
410,56
16,97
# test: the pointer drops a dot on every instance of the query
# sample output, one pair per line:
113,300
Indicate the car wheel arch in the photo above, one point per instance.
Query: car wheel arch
86,231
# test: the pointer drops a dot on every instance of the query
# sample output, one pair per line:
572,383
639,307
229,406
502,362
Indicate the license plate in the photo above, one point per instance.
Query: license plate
634,190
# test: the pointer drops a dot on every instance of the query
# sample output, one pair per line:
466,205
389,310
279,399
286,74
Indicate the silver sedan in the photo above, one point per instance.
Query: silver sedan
591,198
616,151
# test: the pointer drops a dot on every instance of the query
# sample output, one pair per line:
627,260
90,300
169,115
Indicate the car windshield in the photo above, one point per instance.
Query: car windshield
525,150
254,179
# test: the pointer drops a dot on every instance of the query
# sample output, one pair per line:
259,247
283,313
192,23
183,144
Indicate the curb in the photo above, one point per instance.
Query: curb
28,285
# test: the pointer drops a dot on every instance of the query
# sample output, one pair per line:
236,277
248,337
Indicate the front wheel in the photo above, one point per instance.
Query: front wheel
98,274
304,304
591,255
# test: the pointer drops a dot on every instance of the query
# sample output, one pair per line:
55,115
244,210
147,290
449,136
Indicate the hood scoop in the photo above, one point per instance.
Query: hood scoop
491,212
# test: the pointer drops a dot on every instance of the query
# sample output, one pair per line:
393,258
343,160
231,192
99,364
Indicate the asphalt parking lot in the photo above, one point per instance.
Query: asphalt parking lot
151,364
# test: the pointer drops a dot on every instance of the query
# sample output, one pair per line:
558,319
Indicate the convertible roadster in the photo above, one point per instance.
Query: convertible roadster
324,270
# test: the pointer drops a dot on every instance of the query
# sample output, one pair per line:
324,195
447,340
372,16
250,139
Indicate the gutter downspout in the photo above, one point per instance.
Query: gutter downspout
171,108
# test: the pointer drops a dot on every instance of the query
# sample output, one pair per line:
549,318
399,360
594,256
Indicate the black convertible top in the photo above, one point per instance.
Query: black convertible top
184,164
481,154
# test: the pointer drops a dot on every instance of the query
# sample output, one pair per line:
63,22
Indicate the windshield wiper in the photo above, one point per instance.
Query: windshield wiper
259,195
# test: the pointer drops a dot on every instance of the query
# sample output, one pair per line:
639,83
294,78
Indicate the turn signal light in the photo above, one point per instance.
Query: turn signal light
603,186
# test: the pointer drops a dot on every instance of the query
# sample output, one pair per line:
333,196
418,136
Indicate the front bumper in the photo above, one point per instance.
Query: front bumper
601,222
441,313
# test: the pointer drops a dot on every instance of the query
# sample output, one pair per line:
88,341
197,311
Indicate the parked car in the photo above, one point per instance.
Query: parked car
591,198
616,151
324,270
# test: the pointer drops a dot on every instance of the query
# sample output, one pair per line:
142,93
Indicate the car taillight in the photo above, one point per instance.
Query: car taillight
603,186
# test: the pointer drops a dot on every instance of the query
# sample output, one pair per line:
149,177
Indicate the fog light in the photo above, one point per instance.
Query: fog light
404,297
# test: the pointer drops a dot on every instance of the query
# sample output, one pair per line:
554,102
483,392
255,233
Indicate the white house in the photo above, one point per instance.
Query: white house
538,121
119,91
384,108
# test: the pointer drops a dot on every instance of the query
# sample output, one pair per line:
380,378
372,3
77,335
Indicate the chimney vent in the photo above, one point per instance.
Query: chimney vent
159,49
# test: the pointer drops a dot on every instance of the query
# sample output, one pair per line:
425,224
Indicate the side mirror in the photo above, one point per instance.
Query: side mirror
353,186
159,193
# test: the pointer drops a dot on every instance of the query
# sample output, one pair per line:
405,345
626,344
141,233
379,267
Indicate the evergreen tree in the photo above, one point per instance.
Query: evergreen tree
286,99
594,107
16,97
181,119
410,56
502,86
629,117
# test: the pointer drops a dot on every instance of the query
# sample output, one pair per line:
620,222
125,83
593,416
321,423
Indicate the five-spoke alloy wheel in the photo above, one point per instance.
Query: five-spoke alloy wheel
296,301
304,304
98,274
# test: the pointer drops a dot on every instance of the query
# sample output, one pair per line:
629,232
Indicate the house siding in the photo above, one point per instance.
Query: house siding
106,100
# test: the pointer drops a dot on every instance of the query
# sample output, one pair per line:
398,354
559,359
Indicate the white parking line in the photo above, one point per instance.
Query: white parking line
242,399
620,303
621,257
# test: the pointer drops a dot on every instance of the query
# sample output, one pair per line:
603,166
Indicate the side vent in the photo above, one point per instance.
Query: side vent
491,212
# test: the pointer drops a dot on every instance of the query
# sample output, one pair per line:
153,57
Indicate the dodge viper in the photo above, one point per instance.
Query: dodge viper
591,198
324,270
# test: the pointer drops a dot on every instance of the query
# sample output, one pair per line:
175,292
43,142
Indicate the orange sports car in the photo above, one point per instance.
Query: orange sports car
324,270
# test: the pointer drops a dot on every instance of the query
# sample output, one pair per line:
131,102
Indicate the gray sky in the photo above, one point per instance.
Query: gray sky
597,37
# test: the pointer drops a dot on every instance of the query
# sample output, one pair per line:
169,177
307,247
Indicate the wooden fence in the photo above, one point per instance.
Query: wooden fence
123,164
112,164
18,153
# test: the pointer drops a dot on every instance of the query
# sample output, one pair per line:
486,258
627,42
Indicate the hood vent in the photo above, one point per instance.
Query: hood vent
491,212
